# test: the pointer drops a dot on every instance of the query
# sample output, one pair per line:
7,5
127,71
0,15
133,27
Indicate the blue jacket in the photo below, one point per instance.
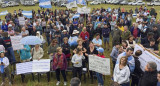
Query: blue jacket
25,54
132,28
4,28
105,32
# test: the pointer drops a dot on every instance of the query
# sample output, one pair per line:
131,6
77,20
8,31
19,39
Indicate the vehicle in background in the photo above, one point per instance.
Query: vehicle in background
29,3
138,3
124,2
95,2
154,3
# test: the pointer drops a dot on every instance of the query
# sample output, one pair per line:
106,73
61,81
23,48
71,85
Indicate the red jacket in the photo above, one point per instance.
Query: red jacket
83,35
102,56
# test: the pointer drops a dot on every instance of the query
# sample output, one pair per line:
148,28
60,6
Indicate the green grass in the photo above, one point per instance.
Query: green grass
43,80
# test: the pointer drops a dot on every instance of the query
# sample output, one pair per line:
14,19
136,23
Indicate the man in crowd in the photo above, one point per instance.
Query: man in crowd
149,77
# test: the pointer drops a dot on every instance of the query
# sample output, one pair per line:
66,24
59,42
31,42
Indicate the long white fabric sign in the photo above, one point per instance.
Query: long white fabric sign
146,57
16,44
42,65
100,65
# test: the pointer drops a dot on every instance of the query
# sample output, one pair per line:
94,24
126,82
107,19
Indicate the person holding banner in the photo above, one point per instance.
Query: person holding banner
4,63
37,52
60,65
77,63
122,73
100,76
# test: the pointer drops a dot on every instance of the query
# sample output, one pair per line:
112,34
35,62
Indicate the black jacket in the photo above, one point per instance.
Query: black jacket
137,71
148,79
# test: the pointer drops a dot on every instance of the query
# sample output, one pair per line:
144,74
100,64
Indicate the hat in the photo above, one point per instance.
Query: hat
64,31
100,49
9,25
75,32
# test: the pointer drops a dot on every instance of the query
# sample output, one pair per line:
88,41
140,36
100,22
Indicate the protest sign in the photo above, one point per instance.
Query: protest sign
15,40
21,20
146,57
100,65
84,10
42,65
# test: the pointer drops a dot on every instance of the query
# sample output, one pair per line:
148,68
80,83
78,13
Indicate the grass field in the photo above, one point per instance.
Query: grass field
43,81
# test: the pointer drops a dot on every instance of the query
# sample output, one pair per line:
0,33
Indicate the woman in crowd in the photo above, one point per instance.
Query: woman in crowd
131,43
66,48
52,48
77,63
38,34
91,51
4,63
47,31
99,75
37,52
60,65
25,53
122,73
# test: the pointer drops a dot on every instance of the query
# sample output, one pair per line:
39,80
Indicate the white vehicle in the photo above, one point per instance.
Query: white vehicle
138,3
109,1
156,3
12,3
130,3
95,2
3,5
63,5
29,3
112,2
124,2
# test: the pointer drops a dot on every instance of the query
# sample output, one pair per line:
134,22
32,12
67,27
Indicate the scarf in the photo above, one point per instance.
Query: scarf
58,61
2,66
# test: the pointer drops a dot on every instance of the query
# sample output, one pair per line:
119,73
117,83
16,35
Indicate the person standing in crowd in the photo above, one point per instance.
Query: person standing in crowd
60,65
91,50
38,27
147,38
63,35
149,78
77,63
52,48
34,31
131,43
126,33
25,53
137,71
114,54
75,82
130,59
9,48
122,73
85,37
37,52
135,32
10,31
73,39
66,48
158,77
24,32
105,34
38,34
4,26
43,24
47,30
4,65
99,75
91,32
116,36
97,41
99,30
156,35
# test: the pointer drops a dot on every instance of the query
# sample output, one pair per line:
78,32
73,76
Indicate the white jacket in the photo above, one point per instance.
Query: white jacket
121,76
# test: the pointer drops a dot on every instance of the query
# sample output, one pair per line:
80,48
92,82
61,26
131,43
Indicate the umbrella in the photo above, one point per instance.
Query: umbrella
31,40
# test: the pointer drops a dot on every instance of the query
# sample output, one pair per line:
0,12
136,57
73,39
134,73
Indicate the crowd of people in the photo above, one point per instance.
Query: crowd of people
71,41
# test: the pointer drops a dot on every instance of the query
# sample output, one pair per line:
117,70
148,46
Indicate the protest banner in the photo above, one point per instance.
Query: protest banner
16,44
100,65
146,57
42,65
21,20
84,10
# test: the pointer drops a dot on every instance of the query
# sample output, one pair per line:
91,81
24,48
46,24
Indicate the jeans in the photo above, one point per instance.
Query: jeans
125,84
100,78
63,72
10,54
77,70
6,72
48,40
135,80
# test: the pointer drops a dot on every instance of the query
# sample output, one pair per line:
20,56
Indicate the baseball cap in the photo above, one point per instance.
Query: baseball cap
100,49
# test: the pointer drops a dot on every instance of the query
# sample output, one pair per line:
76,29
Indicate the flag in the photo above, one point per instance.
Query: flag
71,4
27,14
84,10
3,13
82,2
76,16
45,3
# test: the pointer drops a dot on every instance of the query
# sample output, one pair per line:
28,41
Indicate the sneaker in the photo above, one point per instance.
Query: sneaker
58,83
65,83
10,84
2,84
